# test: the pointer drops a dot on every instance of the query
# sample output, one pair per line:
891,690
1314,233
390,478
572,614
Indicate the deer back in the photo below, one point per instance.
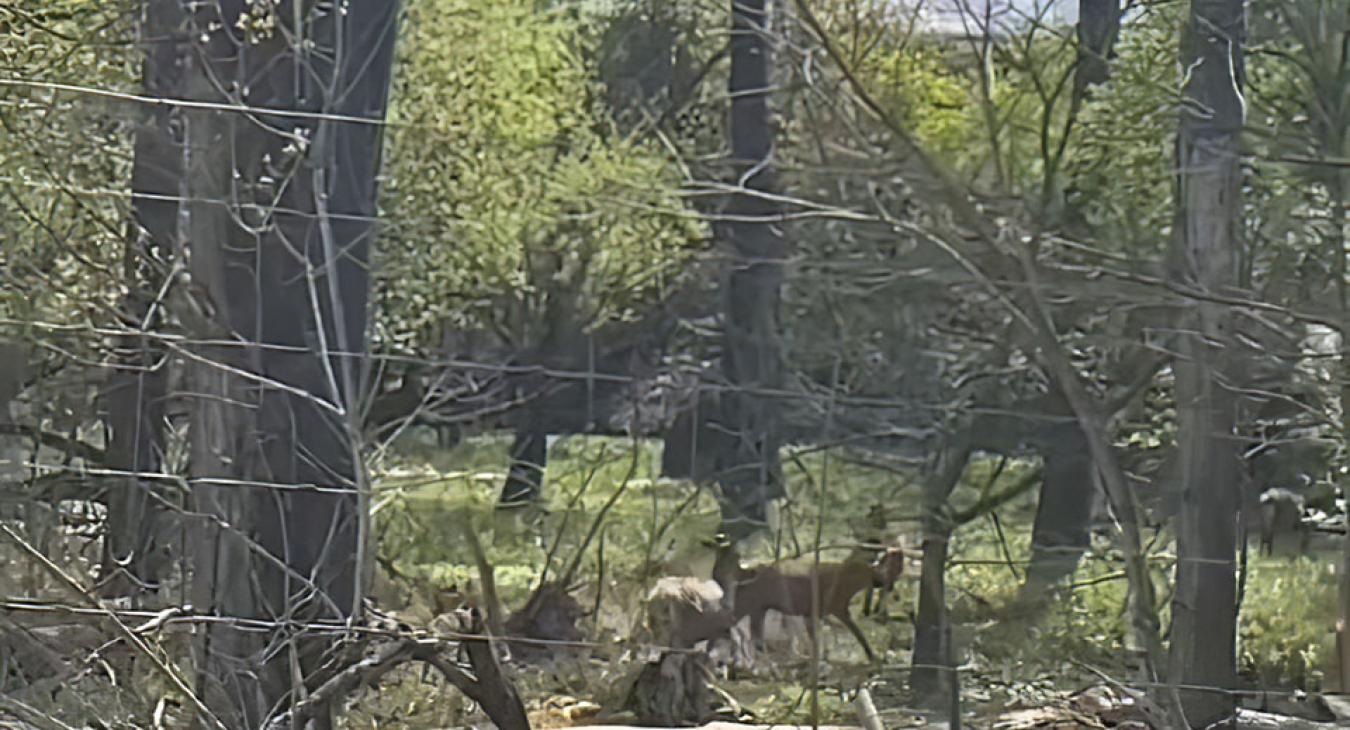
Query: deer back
772,587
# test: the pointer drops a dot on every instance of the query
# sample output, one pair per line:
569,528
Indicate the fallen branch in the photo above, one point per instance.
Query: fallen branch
868,716
483,682
991,502
92,454
31,715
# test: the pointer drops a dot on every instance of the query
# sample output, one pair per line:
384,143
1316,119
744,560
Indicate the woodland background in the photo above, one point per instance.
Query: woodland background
337,336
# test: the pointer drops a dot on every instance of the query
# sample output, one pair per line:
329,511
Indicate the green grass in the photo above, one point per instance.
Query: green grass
427,498
1288,616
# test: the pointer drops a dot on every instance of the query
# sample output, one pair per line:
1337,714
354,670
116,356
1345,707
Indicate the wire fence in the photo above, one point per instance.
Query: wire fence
918,317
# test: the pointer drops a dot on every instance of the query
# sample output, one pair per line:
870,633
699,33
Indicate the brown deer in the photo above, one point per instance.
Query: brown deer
683,611
788,591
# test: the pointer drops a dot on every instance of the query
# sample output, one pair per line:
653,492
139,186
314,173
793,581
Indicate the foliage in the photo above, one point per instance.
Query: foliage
511,199
1123,167
64,155
1287,614
996,109
1286,611
514,202
426,501
1299,109
411,699
932,99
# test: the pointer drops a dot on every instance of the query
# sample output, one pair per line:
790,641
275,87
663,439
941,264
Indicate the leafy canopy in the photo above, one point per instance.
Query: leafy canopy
509,196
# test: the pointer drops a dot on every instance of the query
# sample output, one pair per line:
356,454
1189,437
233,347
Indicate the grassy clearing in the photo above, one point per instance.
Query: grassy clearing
428,497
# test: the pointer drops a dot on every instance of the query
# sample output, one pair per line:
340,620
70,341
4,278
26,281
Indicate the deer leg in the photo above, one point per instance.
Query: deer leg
810,631
741,646
757,630
879,605
847,621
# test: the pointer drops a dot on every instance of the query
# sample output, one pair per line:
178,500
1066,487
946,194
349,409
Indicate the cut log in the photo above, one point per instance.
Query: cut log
673,691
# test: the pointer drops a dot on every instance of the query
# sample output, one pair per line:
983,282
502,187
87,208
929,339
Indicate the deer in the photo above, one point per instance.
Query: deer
685,611
1282,527
773,587
688,611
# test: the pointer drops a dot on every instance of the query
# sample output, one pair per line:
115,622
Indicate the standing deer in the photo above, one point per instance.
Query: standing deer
788,591
684,611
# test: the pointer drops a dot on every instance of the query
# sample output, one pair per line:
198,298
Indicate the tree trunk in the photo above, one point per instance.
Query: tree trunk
280,273
933,679
13,374
1062,530
1336,246
1206,258
1062,527
1334,143
529,459
136,550
749,472
1098,28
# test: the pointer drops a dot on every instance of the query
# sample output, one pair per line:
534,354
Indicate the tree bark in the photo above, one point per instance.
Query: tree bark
279,228
1336,246
1098,28
749,472
675,690
136,549
1205,257
1062,529
529,459
933,679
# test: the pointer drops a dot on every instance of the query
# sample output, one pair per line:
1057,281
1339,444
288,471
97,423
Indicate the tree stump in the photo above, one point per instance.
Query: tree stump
546,625
673,691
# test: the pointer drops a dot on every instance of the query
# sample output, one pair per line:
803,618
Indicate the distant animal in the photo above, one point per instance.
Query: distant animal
1282,528
785,590
684,611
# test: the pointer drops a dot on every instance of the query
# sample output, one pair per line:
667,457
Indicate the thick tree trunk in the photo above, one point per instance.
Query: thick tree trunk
1334,241
1098,28
1206,258
1062,530
933,679
136,549
280,272
1336,248
13,373
749,472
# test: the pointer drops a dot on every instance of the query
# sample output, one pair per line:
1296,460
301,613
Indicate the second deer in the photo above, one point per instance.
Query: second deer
779,588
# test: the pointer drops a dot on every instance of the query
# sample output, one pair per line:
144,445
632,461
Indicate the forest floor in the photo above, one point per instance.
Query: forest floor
1063,665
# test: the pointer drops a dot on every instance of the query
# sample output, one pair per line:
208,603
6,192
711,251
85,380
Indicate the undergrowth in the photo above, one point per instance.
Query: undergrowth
429,498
